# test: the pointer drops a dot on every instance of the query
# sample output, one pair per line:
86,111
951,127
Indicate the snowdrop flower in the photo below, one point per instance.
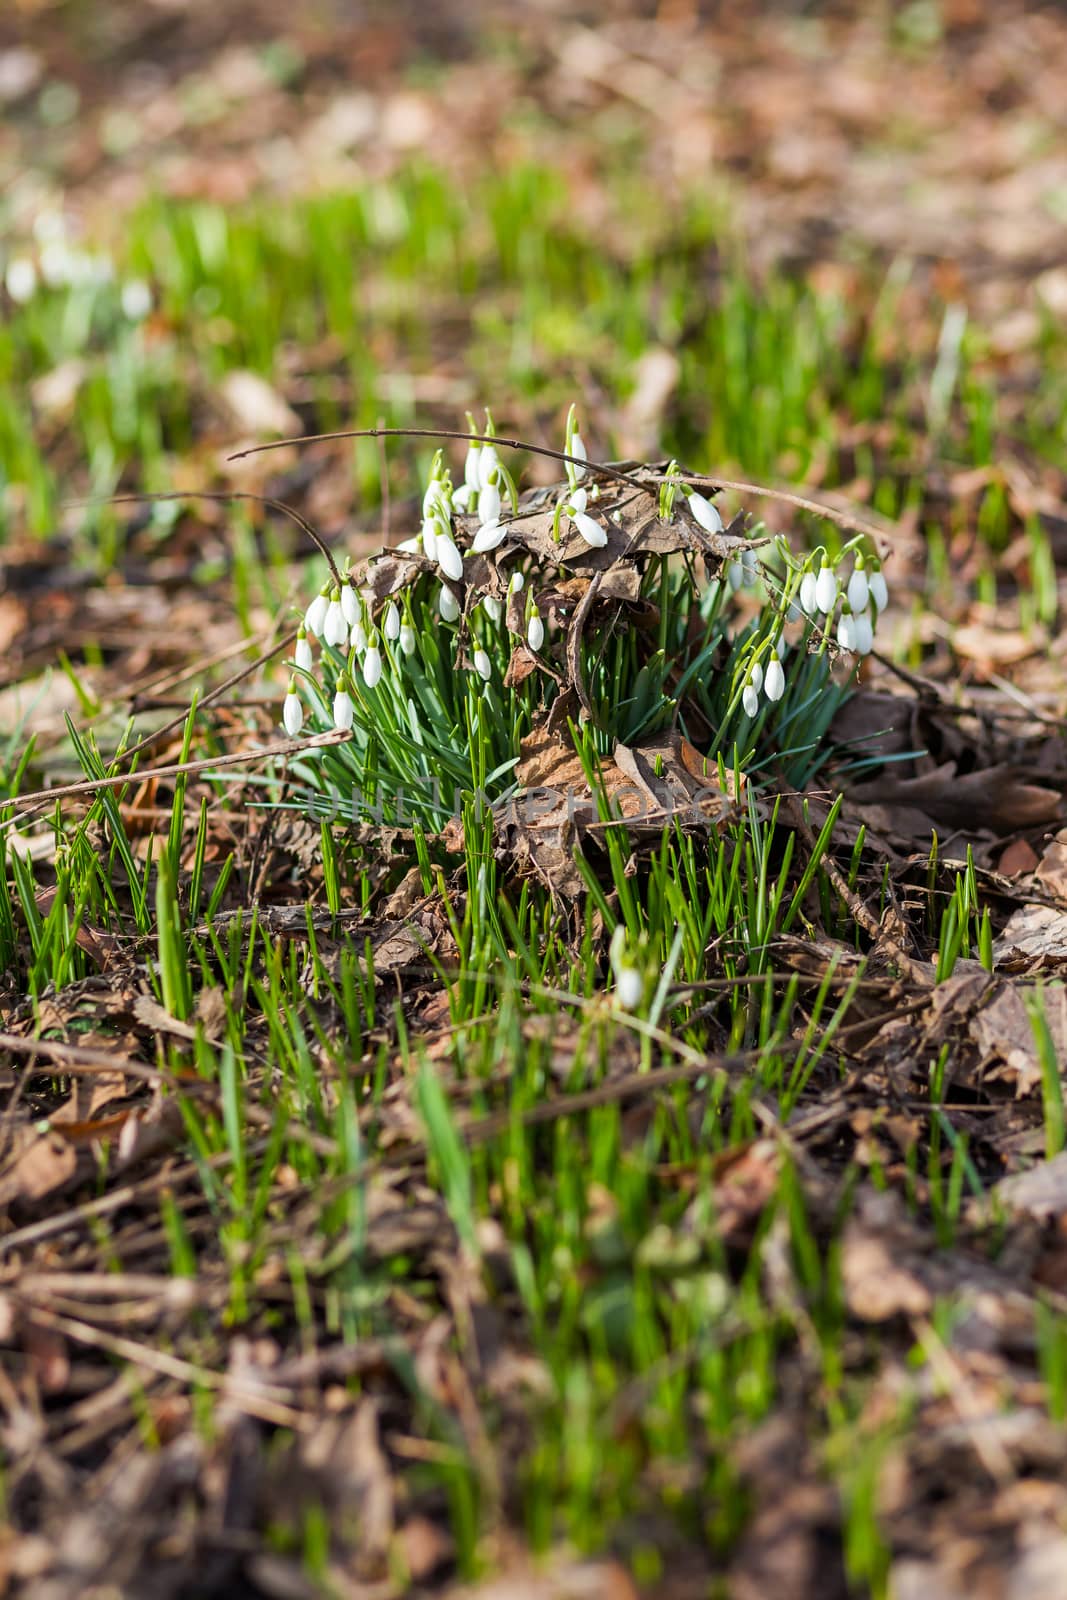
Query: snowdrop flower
488,464
482,665
863,634
578,500
343,709
407,639
429,538
735,575
447,604
391,625
750,700
826,590
591,531
437,499
629,987
489,504
372,666
515,582
879,592
292,711
359,638
755,677
20,279
461,499
807,597
577,448
705,513
136,300
492,608
535,630
846,632
315,615
489,535
448,557
749,568
411,547
335,628
350,604
774,682
302,653
857,590
472,479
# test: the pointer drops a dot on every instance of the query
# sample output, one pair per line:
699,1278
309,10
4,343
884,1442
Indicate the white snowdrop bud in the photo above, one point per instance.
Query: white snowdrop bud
578,501
755,677
20,279
489,536
136,300
806,596
411,547
462,498
372,666
774,682
489,504
879,592
488,464
315,615
302,653
343,710
749,568
846,632
516,582
535,631
750,701
482,665
630,988
436,496
857,590
429,538
407,639
826,590
471,469
350,605
492,608
447,604
735,575
448,557
705,513
578,449
292,713
359,638
391,625
863,634
591,531
335,628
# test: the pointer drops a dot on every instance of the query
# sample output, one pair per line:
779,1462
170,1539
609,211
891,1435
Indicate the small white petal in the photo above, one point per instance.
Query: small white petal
335,628
749,568
462,498
447,604
429,538
630,988
780,647
535,633
578,501
489,536
489,504
826,590
350,605
705,513
488,463
359,638
292,715
136,299
808,602
302,654
755,677
407,639
750,701
492,608
591,531
391,625
471,469
315,615
878,589
846,633
578,449
516,582
863,634
343,710
857,591
411,547
372,666
436,496
482,665
735,575
774,682
448,557
20,279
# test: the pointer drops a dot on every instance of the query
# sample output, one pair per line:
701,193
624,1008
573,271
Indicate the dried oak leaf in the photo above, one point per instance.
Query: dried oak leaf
991,797
1034,931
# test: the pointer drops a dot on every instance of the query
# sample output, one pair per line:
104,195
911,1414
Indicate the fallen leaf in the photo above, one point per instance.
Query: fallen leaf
1033,930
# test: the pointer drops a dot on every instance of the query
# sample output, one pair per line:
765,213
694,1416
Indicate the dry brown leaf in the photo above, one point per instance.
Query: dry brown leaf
1035,931
1051,871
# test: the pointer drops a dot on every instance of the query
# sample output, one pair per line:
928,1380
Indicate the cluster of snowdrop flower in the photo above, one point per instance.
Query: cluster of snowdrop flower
863,598
60,263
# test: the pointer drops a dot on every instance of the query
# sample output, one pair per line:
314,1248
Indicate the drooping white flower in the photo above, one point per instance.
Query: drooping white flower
858,589
492,608
20,279
516,582
372,666
846,632
489,504
461,498
448,557
755,676
411,547
488,466
315,615
292,712
578,501
863,634
750,700
407,639
302,653
343,709
391,625
578,449
780,647
774,681
471,468
807,598
430,528
447,604
879,591
591,531
535,630
350,604
705,513
489,535
436,499
735,574
482,665
359,638
335,628
629,988
826,590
